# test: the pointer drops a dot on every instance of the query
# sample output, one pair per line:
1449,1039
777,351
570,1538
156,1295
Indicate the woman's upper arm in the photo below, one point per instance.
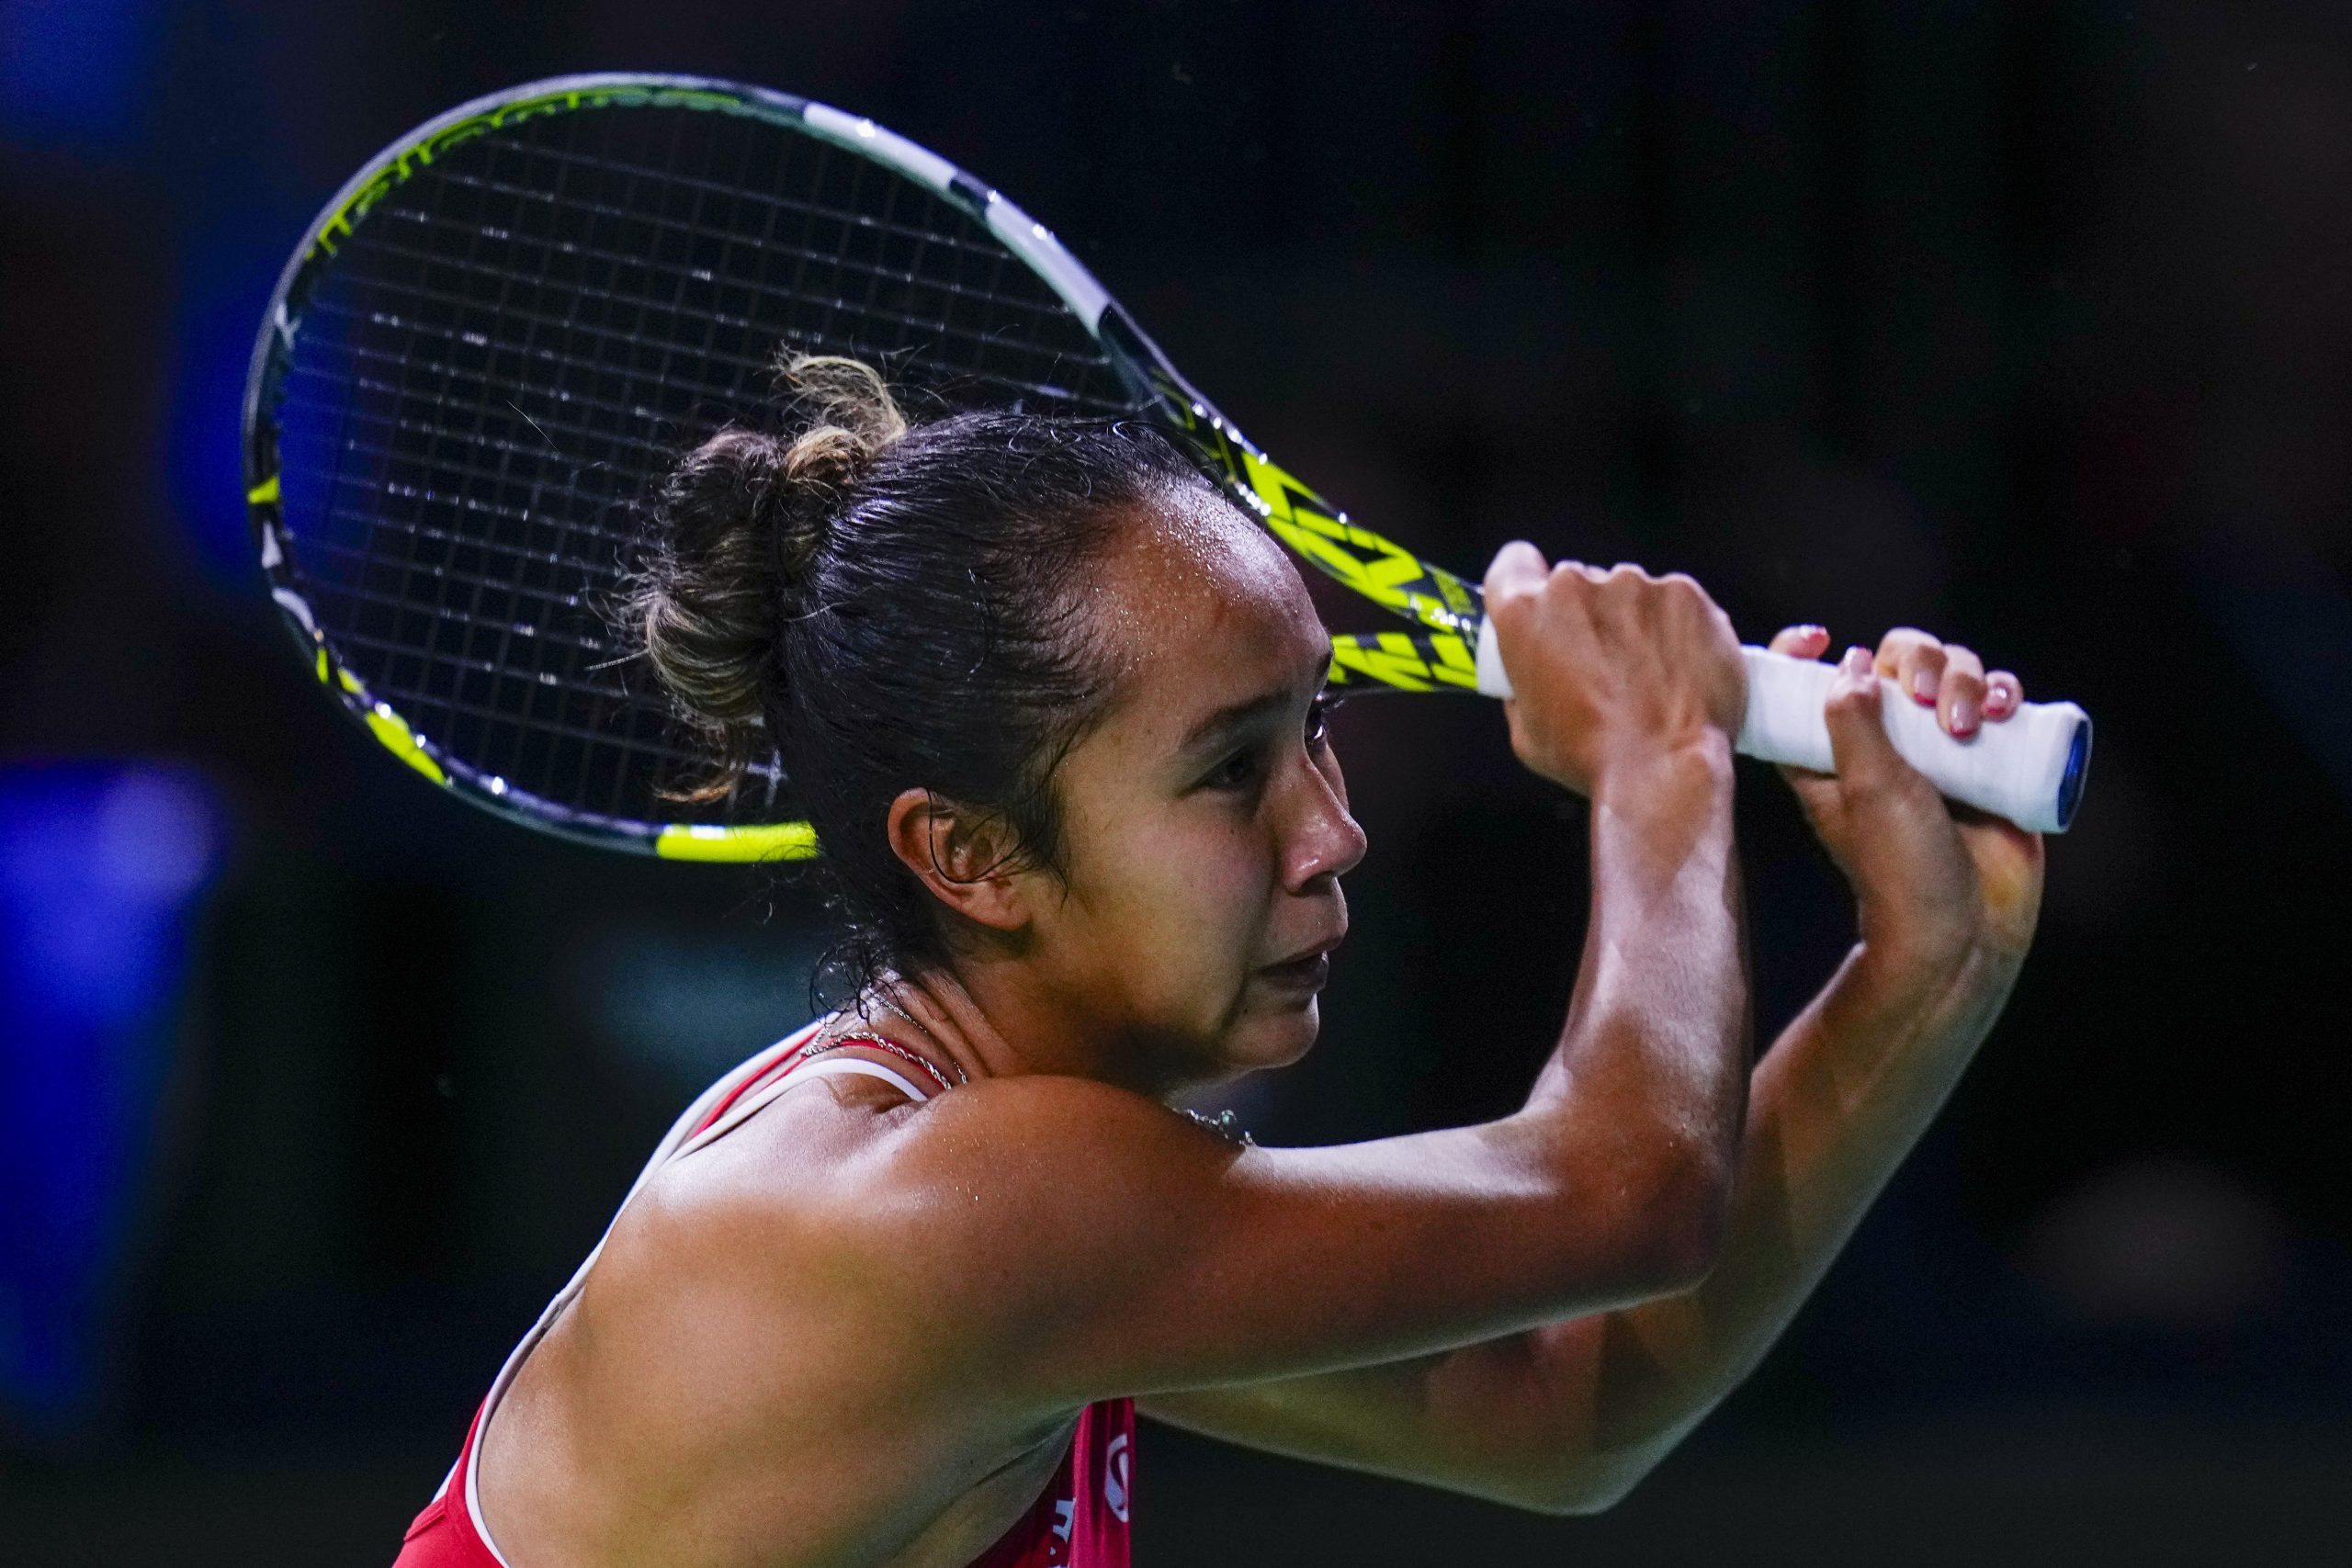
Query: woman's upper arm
1076,1242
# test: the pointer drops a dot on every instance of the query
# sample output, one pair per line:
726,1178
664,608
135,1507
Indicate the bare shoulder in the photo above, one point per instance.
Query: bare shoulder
988,1165
1018,1216
778,1197
753,1282
851,1162
893,1256
843,1202
1003,1131
753,1344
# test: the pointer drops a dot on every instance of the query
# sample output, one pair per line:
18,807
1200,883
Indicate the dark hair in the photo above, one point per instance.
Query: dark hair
892,606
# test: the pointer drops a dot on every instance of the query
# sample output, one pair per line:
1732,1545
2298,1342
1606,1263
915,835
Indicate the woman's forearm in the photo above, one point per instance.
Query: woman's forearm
1567,1415
1652,1061
1834,1108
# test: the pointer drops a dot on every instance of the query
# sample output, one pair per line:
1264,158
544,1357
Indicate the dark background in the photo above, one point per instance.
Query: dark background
2028,323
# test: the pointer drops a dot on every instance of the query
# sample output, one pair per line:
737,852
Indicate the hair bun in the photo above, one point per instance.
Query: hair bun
850,413
740,528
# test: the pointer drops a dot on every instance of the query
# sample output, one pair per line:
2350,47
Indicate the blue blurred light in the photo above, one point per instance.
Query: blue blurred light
101,867
71,70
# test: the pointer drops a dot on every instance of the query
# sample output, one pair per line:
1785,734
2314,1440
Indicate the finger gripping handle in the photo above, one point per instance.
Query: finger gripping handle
2029,767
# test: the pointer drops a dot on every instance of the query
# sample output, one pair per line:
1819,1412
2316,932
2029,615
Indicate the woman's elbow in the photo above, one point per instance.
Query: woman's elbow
1675,1228
1594,1486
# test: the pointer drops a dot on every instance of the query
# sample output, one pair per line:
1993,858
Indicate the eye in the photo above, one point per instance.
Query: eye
1236,772
1319,717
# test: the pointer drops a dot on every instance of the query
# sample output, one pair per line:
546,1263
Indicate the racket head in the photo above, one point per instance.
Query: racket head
498,337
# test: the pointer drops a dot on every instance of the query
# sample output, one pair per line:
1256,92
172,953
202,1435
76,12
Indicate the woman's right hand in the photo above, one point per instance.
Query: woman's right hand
1609,666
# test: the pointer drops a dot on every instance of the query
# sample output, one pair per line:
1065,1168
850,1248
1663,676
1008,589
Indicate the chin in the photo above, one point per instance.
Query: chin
1277,1039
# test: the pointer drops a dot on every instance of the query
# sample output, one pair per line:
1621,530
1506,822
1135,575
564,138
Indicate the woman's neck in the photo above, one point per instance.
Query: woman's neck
933,1015
986,1028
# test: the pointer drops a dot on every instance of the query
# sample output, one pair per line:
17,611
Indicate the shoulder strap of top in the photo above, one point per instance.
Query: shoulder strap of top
792,1077
860,1067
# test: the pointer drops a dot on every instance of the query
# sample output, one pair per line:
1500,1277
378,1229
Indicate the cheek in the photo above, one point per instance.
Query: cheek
1188,896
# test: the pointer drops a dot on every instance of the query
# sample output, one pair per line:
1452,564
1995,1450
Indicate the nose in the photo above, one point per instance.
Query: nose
1325,841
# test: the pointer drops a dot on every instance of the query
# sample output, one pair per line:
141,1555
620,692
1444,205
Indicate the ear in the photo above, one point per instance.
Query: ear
969,861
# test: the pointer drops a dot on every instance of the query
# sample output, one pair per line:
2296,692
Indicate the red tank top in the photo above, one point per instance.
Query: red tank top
1079,1521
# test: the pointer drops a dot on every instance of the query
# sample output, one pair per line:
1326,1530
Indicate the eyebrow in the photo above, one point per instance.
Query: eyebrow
1232,717
1240,716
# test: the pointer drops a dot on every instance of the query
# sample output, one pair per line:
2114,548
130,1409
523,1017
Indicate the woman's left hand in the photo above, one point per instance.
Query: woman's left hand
1937,884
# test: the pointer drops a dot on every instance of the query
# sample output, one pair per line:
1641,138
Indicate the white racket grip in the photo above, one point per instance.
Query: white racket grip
2029,767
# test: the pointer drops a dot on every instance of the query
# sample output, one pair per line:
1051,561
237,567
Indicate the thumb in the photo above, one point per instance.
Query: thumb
1517,566
1866,759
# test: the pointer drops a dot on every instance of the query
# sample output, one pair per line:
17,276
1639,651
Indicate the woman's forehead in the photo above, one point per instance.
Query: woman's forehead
1198,604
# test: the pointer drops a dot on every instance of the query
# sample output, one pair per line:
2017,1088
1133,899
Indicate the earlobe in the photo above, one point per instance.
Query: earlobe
967,859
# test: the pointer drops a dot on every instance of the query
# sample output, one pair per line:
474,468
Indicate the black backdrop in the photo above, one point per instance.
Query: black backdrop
2026,323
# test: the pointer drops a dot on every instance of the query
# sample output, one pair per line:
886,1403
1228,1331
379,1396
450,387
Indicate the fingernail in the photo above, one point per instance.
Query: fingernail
1923,685
1964,716
1810,632
1857,662
2000,699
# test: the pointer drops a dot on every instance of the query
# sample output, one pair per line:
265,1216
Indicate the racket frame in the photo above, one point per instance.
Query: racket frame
1437,656
1444,650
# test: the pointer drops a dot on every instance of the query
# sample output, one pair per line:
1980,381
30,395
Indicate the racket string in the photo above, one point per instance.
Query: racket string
938,229
988,342
617,775
503,655
653,448
510,350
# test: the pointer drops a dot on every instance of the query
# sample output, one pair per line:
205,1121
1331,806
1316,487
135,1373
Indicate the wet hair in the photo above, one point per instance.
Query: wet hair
891,606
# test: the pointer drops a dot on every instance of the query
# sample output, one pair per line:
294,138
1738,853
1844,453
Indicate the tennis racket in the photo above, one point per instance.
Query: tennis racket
497,338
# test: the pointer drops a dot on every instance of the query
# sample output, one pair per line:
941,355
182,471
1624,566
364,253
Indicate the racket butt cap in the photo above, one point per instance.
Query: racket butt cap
2077,773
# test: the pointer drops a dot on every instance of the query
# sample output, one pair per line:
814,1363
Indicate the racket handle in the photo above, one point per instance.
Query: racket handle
2029,767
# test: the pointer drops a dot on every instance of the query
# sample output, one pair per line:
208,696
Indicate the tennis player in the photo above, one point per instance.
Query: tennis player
892,1290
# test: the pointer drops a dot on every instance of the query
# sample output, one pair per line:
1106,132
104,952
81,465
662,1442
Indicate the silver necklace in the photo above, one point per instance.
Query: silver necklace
864,1041
916,1024
1226,1127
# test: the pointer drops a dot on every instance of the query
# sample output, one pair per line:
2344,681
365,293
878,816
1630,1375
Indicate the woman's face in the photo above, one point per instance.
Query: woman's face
1206,822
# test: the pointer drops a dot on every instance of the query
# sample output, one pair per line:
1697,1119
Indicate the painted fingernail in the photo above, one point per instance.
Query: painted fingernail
2001,698
1857,662
1809,634
1923,686
1964,716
